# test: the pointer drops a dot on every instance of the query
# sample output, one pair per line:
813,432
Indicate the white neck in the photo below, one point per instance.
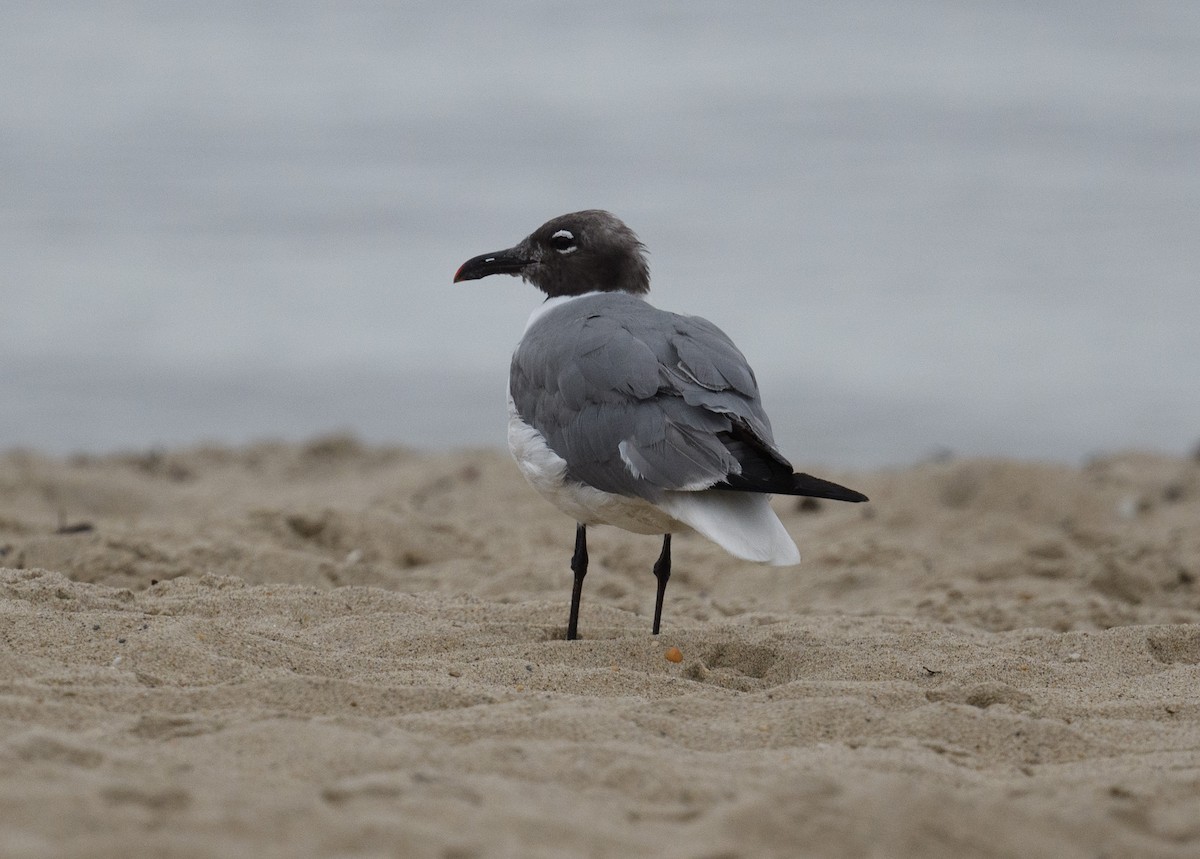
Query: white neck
551,303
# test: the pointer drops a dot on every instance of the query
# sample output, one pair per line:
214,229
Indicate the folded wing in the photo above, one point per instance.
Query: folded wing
639,402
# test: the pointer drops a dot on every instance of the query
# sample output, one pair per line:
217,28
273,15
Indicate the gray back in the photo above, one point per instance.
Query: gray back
607,370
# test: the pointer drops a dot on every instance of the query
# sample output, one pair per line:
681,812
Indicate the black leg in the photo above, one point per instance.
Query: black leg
579,568
662,572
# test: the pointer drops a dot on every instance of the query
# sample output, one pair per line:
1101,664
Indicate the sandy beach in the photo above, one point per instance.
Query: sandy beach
338,650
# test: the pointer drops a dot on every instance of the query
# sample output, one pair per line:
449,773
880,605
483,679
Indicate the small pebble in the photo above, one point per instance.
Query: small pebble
674,654
1074,657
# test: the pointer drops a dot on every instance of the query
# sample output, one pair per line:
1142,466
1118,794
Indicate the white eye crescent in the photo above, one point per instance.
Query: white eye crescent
563,241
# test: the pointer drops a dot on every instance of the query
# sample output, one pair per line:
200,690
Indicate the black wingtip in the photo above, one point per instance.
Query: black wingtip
792,484
815,487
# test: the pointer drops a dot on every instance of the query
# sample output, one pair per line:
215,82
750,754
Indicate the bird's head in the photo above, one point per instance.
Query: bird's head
589,251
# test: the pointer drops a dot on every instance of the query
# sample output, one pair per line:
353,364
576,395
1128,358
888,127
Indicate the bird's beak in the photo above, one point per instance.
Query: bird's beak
510,261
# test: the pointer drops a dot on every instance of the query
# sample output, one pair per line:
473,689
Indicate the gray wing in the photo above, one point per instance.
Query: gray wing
637,400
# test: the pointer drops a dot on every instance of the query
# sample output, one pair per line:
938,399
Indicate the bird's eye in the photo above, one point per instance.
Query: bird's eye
563,241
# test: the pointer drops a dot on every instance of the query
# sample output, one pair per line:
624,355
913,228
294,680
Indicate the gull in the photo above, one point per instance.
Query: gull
623,414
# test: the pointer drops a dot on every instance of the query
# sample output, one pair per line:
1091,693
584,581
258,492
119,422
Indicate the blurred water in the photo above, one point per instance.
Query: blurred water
929,225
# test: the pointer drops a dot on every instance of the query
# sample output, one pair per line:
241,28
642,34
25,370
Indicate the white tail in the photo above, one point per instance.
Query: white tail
741,523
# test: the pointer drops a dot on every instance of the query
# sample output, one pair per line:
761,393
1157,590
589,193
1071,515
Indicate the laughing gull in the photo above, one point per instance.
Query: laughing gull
623,414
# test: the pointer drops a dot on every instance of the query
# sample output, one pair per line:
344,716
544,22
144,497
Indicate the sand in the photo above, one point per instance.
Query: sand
336,650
